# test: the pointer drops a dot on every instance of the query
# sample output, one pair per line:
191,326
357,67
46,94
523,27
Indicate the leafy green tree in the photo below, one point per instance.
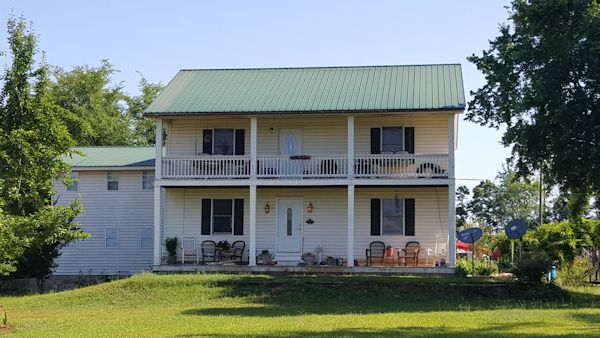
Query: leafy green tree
543,83
33,141
143,128
494,205
92,108
462,206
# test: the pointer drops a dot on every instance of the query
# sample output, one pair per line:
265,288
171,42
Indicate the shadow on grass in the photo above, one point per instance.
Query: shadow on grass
505,330
292,296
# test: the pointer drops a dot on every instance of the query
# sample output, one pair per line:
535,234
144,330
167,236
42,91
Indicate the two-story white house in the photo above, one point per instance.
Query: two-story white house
293,160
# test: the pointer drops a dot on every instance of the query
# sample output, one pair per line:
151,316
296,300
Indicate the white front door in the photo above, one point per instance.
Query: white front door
289,225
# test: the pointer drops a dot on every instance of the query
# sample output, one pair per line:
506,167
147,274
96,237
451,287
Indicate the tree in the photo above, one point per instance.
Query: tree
33,142
462,206
543,84
143,128
93,109
494,205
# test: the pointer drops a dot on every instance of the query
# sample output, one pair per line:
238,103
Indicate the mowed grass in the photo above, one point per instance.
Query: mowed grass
265,306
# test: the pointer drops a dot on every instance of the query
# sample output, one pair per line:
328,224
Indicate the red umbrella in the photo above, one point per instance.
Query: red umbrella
463,246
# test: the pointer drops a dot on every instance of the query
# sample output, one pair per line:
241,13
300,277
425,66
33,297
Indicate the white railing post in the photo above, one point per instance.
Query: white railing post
253,147
350,155
451,223
451,144
157,188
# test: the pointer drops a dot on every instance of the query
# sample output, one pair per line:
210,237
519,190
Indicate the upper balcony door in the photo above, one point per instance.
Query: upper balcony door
290,142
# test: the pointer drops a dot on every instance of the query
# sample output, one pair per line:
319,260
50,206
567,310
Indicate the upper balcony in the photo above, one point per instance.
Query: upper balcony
402,146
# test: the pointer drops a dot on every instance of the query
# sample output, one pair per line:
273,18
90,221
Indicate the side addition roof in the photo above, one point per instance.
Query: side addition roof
318,89
113,157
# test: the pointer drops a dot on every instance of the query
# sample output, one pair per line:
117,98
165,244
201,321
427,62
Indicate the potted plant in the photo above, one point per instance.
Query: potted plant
308,258
223,245
265,255
389,251
171,246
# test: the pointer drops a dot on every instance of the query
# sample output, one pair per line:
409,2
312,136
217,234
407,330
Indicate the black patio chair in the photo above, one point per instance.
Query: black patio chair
209,250
237,250
376,250
411,251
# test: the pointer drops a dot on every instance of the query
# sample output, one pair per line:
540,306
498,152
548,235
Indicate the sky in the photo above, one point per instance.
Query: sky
157,38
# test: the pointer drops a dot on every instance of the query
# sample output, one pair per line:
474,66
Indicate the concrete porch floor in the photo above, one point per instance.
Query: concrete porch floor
315,269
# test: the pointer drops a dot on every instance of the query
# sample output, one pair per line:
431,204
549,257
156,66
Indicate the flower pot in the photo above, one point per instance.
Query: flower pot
309,259
172,259
389,251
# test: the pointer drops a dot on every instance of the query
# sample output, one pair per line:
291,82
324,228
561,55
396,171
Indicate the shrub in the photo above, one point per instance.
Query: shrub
171,245
531,267
485,267
576,273
463,268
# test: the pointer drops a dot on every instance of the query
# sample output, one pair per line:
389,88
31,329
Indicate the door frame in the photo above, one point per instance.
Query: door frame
289,198
300,141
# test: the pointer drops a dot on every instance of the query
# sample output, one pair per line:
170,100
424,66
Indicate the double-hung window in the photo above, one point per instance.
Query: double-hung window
112,180
392,216
148,180
146,238
112,238
74,186
222,217
223,141
392,140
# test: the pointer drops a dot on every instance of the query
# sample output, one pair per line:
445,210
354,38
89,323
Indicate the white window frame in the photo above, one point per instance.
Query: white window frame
148,235
75,185
212,214
381,216
112,174
148,180
108,235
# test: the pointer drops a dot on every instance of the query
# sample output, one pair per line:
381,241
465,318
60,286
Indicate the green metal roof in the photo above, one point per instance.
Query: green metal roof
113,157
319,89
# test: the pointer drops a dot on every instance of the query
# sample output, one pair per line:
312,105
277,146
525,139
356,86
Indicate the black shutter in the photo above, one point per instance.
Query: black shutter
409,217
238,217
409,139
375,217
239,141
375,140
207,141
206,207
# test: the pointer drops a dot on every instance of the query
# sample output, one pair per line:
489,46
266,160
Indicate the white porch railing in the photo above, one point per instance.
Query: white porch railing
327,166
215,166
401,165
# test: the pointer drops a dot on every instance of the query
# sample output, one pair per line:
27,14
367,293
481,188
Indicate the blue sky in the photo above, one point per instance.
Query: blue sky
157,38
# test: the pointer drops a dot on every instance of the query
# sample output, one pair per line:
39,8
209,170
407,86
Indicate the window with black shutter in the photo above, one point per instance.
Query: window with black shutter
223,141
393,216
222,216
393,140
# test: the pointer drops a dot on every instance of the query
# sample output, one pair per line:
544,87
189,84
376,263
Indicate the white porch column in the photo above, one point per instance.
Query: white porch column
350,254
158,148
252,234
253,152
451,190
350,147
157,190
451,223
451,144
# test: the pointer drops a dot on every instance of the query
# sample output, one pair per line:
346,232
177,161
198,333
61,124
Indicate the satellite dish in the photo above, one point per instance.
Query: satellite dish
470,235
516,229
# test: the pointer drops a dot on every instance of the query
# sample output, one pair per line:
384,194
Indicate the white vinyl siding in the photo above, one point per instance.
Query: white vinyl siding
112,180
129,211
320,134
75,185
148,180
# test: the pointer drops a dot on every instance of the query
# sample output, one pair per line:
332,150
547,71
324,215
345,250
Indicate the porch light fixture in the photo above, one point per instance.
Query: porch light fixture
310,208
267,208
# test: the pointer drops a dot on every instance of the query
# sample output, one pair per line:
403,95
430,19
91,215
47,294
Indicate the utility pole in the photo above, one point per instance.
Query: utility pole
541,209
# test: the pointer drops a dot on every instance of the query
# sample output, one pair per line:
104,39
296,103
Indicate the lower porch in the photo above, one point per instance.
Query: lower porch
293,221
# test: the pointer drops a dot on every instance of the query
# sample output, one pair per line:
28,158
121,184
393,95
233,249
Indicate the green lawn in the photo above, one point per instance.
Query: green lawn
265,306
